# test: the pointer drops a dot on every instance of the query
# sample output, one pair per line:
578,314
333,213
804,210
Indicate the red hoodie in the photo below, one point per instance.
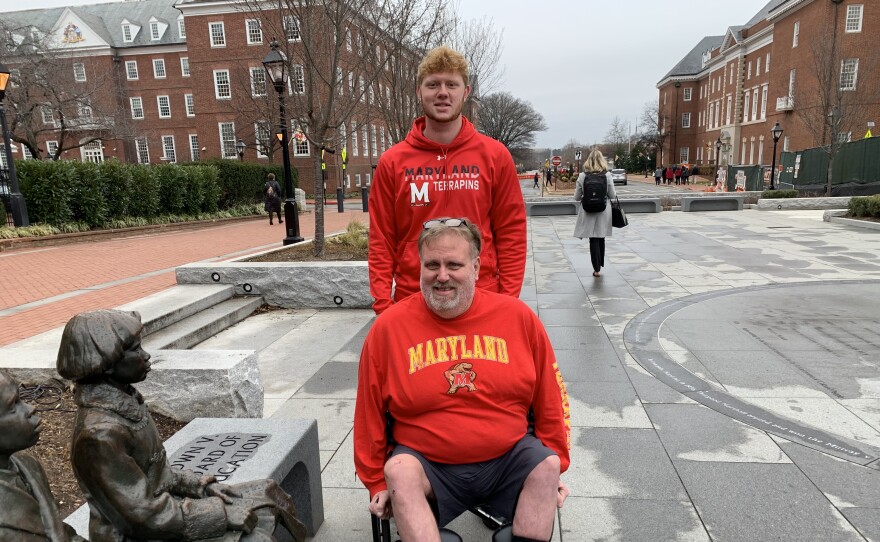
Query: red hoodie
419,179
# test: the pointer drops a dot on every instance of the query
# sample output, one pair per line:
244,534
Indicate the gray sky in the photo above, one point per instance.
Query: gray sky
574,65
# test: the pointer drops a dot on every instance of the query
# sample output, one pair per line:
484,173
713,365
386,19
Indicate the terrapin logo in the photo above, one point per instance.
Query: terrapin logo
460,376
419,195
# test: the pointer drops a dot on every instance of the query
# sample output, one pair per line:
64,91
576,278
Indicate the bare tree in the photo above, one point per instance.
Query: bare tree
829,103
511,121
482,44
51,95
337,51
618,138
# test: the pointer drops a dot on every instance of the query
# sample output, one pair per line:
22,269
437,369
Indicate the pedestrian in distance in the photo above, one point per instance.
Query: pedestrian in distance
684,174
668,175
420,441
536,180
594,225
444,166
676,172
272,194
658,174
549,178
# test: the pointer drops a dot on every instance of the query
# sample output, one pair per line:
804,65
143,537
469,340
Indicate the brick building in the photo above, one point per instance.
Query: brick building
182,80
813,66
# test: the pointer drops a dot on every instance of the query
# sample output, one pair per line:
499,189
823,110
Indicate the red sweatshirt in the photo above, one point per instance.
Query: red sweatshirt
417,180
459,390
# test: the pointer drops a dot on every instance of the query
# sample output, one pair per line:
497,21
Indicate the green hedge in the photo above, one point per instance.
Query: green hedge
776,194
64,192
868,206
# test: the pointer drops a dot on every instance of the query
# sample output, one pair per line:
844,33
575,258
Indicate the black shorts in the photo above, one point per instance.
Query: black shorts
496,482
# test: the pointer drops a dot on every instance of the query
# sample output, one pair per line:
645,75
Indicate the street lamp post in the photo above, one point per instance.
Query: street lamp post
275,63
16,200
776,132
239,146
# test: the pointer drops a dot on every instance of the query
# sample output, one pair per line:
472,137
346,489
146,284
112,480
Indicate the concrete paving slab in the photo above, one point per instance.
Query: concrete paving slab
590,366
625,520
605,404
621,463
697,433
568,317
823,413
257,331
577,338
866,520
759,501
650,390
844,483
335,417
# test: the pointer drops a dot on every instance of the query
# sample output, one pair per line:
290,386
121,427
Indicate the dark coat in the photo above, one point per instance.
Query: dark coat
272,204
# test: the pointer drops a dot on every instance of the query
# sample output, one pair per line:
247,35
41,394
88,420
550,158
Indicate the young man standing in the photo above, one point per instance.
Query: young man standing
444,167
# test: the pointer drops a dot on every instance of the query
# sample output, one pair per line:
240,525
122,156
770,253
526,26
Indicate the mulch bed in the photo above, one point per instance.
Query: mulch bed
333,252
54,402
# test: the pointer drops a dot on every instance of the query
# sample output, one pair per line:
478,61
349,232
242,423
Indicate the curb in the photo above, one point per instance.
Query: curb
120,233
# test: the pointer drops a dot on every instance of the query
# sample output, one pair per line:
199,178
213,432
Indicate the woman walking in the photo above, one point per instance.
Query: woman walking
596,226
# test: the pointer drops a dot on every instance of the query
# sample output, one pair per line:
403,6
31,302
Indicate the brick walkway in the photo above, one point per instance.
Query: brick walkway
41,288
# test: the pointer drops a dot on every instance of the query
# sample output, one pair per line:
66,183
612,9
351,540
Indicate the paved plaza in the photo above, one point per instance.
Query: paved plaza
724,378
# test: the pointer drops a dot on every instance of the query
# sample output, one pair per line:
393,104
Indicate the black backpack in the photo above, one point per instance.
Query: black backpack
595,191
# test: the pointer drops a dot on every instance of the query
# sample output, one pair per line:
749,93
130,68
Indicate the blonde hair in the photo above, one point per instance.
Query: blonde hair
467,230
443,59
595,162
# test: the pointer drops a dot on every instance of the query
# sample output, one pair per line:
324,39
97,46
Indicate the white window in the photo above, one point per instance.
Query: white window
711,117
713,85
785,144
190,105
84,108
301,142
343,137
683,154
222,89
729,109
131,70
258,81
351,84
51,148
348,181
362,87
298,85
742,154
755,104
382,137
767,63
364,140
254,31
159,68
791,83
164,107
181,28
154,31
357,179
760,150
291,28
687,94
844,137
93,152
730,77
854,18
764,102
348,40
758,67
340,81
849,71
746,96
184,66
354,138
168,150
218,34
794,35
263,135
373,140
367,177
137,108
127,35
194,147
752,151
25,152
79,72
749,72
143,150
227,140
685,120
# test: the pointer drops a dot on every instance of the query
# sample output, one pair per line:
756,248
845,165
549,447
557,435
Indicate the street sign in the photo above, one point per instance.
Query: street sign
556,160
577,155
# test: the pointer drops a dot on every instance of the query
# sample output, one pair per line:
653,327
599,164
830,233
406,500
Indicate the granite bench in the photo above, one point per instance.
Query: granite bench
570,207
238,450
641,205
712,203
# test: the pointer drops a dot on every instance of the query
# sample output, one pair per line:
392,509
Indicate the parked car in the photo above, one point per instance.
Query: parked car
618,176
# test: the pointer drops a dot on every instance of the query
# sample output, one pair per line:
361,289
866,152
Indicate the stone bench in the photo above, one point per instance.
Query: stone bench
712,203
283,450
570,207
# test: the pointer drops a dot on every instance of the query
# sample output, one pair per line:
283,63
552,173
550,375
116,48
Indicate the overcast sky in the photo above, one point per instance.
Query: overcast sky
581,63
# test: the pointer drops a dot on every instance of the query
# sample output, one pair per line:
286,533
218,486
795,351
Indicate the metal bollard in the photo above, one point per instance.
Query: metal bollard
365,194
340,206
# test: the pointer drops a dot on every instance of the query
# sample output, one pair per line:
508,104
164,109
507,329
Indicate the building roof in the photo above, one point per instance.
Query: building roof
765,12
692,63
105,20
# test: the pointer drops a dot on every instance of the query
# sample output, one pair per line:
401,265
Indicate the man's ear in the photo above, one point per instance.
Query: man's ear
467,92
477,268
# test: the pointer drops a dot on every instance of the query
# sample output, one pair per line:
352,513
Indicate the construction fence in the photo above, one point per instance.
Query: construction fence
856,170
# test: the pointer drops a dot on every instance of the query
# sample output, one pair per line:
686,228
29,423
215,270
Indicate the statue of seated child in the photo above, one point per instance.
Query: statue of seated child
119,460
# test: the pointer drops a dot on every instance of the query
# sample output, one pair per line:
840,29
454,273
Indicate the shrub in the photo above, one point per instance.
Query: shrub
866,206
356,235
775,194
145,189
240,183
46,186
117,188
87,201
